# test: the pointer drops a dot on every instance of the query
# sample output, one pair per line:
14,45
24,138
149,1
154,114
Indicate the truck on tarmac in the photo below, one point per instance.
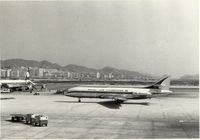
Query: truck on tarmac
29,118
17,117
40,120
34,119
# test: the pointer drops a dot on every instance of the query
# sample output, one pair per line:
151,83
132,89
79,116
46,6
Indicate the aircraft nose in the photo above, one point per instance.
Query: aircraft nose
66,93
149,95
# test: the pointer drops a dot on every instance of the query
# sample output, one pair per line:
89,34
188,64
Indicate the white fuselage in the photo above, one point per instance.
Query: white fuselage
13,81
16,83
120,93
109,92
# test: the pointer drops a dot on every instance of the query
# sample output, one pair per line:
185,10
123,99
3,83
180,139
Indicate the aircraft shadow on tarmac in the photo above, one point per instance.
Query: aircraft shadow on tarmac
116,105
109,104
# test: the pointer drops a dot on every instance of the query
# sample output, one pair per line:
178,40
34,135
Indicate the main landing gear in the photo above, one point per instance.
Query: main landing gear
79,100
119,101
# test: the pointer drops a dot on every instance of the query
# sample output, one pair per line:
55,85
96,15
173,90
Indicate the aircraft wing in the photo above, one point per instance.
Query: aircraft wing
12,85
120,98
117,98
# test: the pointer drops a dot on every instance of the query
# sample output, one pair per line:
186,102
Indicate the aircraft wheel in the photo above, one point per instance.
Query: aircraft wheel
79,100
119,101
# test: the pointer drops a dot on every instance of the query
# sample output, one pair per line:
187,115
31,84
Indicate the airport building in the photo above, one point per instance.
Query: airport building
40,72
98,75
14,73
19,72
8,73
3,73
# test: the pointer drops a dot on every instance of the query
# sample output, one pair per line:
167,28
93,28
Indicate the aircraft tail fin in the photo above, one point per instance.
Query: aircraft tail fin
27,75
31,84
163,83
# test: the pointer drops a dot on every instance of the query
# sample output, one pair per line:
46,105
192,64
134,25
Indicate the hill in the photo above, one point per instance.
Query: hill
125,73
76,68
190,77
29,63
120,73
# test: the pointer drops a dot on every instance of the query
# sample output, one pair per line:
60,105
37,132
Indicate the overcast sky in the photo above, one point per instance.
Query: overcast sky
152,36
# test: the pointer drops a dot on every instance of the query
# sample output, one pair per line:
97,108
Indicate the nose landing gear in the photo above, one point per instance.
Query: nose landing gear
79,100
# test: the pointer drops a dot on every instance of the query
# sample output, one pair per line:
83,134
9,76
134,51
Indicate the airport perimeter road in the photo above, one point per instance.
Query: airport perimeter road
174,116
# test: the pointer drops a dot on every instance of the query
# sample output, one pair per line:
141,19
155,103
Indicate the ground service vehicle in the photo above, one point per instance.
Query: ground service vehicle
40,120
17,117
29,118
34,119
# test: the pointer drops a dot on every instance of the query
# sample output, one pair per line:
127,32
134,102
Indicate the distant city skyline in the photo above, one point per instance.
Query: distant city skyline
155,37
96,68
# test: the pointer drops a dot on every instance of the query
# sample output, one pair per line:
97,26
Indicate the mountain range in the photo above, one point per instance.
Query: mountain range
190,77
9,63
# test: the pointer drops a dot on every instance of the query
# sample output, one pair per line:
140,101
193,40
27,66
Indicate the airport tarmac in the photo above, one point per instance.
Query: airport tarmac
172,116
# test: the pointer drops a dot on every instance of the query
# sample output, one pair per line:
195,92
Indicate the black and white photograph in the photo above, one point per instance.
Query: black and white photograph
99,69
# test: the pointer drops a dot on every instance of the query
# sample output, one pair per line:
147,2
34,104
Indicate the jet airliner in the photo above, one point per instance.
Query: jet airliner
120,93
14,84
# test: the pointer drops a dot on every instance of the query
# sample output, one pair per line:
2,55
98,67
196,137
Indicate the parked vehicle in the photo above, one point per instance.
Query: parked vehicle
40,120
17,117
34,119
29,118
